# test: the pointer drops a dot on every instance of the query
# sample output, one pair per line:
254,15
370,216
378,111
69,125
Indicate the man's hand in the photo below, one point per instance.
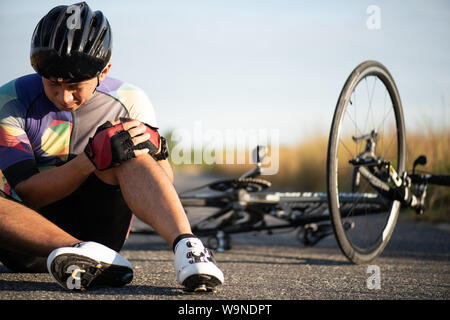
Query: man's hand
114,143
156,144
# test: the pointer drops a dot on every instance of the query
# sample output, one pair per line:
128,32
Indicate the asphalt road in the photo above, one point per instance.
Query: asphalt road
415,265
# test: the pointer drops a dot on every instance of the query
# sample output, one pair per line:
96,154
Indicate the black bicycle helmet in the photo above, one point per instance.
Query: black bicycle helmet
71,42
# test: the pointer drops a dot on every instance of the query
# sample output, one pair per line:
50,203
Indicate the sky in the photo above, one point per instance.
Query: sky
262,64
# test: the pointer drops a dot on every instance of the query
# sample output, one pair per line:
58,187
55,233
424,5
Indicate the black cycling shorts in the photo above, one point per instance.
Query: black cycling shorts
96,211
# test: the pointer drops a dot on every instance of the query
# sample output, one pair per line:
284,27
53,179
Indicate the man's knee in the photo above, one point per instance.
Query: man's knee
142,162
108,176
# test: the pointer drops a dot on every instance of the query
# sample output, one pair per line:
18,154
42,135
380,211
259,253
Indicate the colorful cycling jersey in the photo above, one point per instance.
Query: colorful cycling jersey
35,135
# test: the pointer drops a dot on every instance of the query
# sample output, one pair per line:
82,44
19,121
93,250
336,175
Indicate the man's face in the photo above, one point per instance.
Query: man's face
68,96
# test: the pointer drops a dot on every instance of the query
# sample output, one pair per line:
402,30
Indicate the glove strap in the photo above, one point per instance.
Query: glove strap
164,150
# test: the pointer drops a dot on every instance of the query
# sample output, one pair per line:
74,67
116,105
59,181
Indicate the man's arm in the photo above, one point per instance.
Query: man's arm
54,184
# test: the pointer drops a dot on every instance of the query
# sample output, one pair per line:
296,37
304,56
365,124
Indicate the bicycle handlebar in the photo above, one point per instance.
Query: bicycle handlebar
437,179
443,180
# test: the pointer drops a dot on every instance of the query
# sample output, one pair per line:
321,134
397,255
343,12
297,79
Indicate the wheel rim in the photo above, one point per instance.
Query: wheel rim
370,105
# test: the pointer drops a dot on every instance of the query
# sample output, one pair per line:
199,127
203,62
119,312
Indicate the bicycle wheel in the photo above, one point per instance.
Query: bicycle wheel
368,127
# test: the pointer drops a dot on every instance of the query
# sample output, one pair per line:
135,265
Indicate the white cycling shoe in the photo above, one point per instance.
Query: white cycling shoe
89,264
196,267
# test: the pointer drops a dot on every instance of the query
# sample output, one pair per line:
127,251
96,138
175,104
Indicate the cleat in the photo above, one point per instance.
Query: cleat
196,267
87,265
201,288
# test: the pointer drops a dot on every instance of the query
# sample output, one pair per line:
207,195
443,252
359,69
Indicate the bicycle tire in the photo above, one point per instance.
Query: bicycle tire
352,244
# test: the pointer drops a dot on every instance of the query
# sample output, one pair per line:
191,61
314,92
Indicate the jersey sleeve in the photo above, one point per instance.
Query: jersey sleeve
138,104
17,161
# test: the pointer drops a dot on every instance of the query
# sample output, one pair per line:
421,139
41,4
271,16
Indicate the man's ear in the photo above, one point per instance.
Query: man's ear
105,71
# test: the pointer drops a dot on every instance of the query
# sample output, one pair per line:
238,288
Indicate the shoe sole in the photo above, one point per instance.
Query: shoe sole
201,283
77,272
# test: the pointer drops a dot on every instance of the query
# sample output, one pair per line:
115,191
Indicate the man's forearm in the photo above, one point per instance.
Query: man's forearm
54,184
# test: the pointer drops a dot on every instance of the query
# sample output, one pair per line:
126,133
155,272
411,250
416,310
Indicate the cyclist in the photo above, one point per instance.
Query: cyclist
79,155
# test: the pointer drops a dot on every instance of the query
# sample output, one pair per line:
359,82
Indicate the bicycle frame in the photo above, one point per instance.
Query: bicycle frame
241,211
297,208
307,211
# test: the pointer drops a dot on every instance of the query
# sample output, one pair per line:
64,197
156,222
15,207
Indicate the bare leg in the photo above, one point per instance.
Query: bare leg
26,231
148,190
152,197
